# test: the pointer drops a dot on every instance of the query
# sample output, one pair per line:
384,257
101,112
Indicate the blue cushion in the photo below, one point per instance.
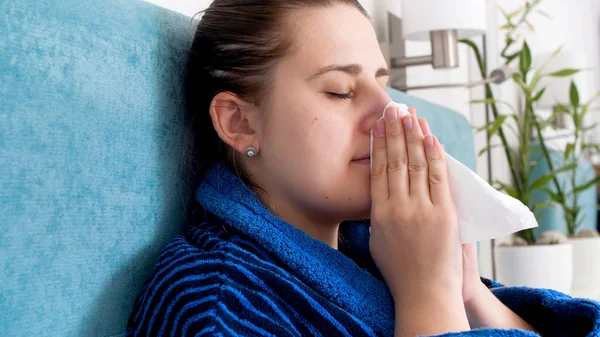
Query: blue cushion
553,218
91,143
452,129
91,134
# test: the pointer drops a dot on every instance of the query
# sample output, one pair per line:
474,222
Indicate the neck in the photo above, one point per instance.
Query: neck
326,231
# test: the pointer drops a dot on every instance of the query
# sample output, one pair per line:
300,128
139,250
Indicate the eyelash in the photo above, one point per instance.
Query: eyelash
348,95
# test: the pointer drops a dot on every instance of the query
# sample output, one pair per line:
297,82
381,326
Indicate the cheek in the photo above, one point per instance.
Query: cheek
328,139
312,142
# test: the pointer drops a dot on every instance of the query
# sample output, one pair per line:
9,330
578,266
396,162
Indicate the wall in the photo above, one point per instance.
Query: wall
187,7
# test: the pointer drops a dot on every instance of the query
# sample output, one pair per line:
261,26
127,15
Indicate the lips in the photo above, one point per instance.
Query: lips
364,159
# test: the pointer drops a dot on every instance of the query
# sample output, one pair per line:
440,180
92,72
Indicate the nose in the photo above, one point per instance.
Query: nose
374,109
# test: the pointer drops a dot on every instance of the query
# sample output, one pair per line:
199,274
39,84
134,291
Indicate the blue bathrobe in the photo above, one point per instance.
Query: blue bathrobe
241,271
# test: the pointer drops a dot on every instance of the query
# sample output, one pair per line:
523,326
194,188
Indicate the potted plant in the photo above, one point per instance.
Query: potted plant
544,262
577,185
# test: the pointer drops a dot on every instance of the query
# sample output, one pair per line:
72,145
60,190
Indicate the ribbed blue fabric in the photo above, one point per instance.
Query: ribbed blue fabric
241,271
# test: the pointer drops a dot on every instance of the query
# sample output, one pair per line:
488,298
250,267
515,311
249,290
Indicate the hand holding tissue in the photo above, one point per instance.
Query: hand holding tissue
483,212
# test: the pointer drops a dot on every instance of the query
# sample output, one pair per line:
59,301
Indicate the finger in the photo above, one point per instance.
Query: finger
379,172
439,187
412,111
417,161
424,126
397,158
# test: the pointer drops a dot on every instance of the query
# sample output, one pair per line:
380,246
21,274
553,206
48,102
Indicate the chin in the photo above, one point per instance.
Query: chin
358,208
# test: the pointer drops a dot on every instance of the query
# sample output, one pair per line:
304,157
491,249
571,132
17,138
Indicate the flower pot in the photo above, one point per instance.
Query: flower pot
586,267
541,266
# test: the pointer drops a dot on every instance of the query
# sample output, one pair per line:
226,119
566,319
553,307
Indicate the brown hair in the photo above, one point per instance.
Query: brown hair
236,46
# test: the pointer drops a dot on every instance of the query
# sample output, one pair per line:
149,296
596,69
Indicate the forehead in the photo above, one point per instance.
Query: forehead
338,34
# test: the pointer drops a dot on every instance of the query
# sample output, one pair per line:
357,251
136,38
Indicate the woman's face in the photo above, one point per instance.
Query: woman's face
327,93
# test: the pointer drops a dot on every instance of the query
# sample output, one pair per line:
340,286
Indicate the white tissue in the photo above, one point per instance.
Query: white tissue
483,212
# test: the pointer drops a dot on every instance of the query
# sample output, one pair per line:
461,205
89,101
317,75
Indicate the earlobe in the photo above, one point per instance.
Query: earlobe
232,119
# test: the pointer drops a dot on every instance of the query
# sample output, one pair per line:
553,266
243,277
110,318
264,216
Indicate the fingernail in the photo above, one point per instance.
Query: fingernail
391,115
429,142
408,122
380,128
399,112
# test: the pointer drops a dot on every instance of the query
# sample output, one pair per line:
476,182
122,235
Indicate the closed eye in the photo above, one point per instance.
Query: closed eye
338,95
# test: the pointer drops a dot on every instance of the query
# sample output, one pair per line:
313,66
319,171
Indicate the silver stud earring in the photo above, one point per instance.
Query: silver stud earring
250,152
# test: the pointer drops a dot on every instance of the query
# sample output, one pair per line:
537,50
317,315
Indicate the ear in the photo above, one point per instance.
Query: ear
234,120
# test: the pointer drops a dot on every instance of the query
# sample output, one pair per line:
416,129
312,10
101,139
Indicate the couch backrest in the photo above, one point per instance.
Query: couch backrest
91,143
91,134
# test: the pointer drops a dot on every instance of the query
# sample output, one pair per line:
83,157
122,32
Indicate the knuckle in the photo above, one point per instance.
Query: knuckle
397,164
436,178
414,141
394,135
436,157
379,147
418,167
378,171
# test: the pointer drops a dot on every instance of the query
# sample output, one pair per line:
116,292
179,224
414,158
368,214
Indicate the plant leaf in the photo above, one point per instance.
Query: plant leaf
486,101
538,95
591,100
494,101
548,59
543,205
544,13
515,12
589,127
504,13
562,108
475,48
553,195
568,150
487,126
518,78
511,57
593,146
543,180
586,185
558,109
517,122
530,26
574,95
525,59
487,148
564,72
510,190
497,124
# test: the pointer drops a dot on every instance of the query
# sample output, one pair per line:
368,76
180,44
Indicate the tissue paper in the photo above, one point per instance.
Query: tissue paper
483,212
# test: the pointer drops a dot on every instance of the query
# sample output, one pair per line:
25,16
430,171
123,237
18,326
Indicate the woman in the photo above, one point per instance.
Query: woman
283,95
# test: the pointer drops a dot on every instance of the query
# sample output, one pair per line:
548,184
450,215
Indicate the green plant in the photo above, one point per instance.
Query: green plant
526,122
576,112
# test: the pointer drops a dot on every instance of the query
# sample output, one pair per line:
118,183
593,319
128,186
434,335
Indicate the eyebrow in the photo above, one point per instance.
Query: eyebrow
351,69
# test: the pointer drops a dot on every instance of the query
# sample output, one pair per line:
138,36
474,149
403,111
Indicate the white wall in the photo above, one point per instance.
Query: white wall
454,98
186,7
